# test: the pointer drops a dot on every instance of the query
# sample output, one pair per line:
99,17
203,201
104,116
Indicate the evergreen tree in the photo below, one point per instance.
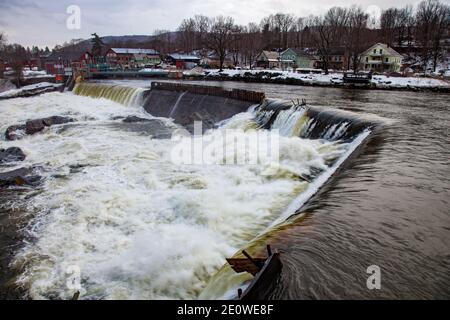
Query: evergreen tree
97,45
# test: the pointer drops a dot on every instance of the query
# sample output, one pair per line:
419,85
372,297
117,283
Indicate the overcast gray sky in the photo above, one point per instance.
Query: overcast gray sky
43,22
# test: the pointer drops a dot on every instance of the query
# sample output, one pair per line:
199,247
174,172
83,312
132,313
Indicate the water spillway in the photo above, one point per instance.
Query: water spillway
188,103
128,96
119,191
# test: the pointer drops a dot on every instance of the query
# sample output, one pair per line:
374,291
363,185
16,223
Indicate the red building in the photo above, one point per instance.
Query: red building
2,68
128,58
59,62
183,61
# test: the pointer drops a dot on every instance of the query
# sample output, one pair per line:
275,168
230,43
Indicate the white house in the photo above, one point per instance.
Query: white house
381,58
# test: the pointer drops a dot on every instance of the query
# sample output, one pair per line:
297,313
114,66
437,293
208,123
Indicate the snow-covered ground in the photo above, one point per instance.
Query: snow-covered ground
335,78
151,70
32,87
35,74
30,73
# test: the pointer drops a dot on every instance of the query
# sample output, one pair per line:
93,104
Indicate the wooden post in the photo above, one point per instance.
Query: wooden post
76,295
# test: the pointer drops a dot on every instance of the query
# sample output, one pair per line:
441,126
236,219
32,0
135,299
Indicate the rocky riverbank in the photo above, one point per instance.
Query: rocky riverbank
378,82
31,90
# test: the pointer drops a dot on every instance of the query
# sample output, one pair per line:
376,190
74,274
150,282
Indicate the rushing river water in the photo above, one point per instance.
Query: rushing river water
390,207
138,226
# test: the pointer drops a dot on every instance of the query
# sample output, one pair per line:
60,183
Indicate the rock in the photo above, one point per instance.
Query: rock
33,126
15,132
11,154
19,177
6,85
156,128
37,125
132,119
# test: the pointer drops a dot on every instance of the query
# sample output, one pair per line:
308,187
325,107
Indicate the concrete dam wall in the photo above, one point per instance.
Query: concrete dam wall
188,103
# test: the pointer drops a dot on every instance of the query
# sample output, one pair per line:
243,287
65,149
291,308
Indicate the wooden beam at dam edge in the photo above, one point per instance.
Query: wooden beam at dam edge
237,94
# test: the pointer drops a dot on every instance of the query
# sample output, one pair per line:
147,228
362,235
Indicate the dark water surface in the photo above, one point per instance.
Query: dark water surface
389,207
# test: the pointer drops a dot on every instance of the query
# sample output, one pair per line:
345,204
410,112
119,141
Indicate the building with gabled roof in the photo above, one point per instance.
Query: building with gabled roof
182,60
381,58
127,58
297,58
268,60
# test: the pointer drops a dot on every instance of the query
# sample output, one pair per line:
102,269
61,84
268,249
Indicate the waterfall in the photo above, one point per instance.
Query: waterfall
309,122
175,106
130,192
127,96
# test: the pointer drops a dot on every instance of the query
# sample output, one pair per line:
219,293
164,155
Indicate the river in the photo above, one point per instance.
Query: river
108,200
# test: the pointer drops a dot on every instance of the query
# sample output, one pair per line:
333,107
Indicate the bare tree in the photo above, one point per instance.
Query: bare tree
441,26
283,23
432,22
297,32
202,25
187,31
252,43
321,33
326,32
236,43
2,65
220,37
403,24
164,41
16,56
356,40
387,25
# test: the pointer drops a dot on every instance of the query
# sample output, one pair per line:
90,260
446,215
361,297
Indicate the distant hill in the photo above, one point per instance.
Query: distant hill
128,38
125,41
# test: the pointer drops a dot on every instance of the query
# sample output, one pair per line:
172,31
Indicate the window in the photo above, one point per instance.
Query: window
374,50
381,51
367,59
387,59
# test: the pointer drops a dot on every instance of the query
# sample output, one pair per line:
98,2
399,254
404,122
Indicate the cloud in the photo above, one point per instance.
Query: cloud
32,22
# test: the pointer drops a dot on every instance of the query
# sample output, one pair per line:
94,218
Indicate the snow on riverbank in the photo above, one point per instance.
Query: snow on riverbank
332,78
36,74
42,86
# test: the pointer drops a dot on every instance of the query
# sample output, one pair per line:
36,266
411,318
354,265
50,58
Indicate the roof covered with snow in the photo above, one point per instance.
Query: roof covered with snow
134,51
299,52
383,46
180,56
271,55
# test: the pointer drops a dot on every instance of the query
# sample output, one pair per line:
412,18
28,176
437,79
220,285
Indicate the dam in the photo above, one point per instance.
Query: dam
115,208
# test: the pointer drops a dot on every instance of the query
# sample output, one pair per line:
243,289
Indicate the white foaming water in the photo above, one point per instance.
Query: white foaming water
125,95
335,131
288,121
135,225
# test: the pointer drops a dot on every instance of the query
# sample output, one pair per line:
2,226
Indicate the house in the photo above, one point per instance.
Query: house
381,58
84,61
183,61
60,61
213,61
296,58
127,58
2,68
268,60
336,58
